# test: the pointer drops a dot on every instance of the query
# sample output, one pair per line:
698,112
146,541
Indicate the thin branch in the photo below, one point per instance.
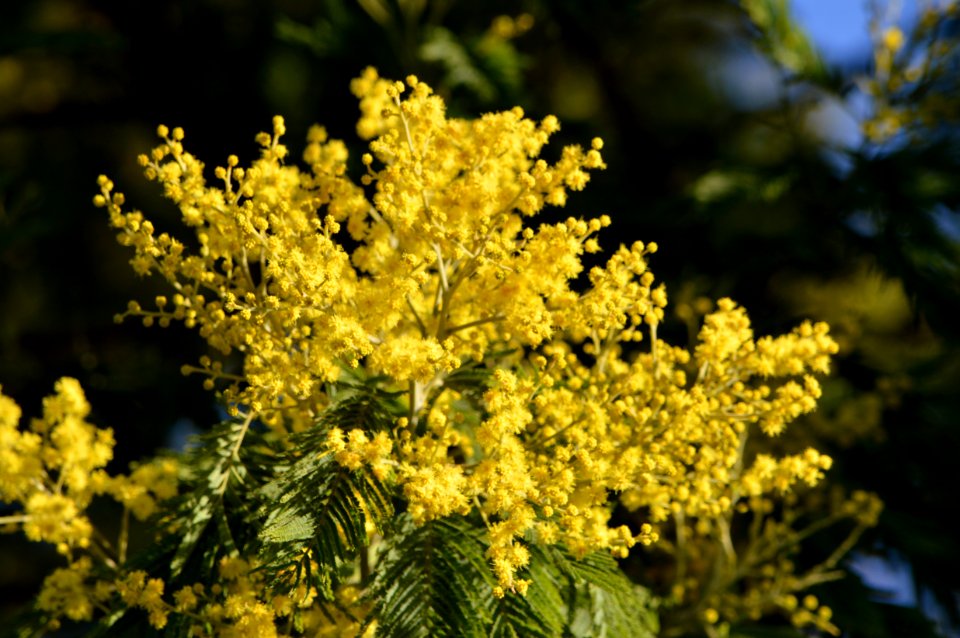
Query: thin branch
681,554
416,316
441,266
478,322
123,536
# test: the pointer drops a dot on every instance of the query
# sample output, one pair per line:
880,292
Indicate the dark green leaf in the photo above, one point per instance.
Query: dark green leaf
433,581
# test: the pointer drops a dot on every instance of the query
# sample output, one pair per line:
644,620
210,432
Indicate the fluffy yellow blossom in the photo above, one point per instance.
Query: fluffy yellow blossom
342,619
535,395
54,468
185,598
357,448
768,474
409,358
65,592
21,464
137,590
144,486
53,518
256,622
434,491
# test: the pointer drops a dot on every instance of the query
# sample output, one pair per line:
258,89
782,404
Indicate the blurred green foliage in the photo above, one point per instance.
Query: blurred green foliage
721,126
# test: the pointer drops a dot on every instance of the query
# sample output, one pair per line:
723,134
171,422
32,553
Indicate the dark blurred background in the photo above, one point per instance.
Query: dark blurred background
731,140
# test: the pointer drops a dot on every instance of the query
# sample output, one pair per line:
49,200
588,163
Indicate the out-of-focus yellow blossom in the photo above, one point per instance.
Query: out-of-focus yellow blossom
144,486
53,518
333,621
185,599
507,27
911,84
53,469
65,592
137,590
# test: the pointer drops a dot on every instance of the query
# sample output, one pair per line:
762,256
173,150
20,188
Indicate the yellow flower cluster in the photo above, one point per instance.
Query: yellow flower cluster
768,474
137,590
442,256
585,403
435,491
53,468
145,486
733,581
267,280
357,448
66,592
240,606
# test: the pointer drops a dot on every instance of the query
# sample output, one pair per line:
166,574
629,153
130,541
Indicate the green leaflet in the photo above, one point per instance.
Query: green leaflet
542,613
433,581
206,523
436,581
315,509
569,596
216,460
606,603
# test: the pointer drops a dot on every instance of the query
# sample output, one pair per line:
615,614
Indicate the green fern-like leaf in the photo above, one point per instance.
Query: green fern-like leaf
216,461
316,509
542,612
433,582
603,601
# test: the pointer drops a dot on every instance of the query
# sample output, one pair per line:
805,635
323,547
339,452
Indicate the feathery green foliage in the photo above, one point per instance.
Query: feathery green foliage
433,582
217,463
314,508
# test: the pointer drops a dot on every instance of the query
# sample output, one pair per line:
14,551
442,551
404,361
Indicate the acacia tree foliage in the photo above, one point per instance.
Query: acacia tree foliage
864,243
430,430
